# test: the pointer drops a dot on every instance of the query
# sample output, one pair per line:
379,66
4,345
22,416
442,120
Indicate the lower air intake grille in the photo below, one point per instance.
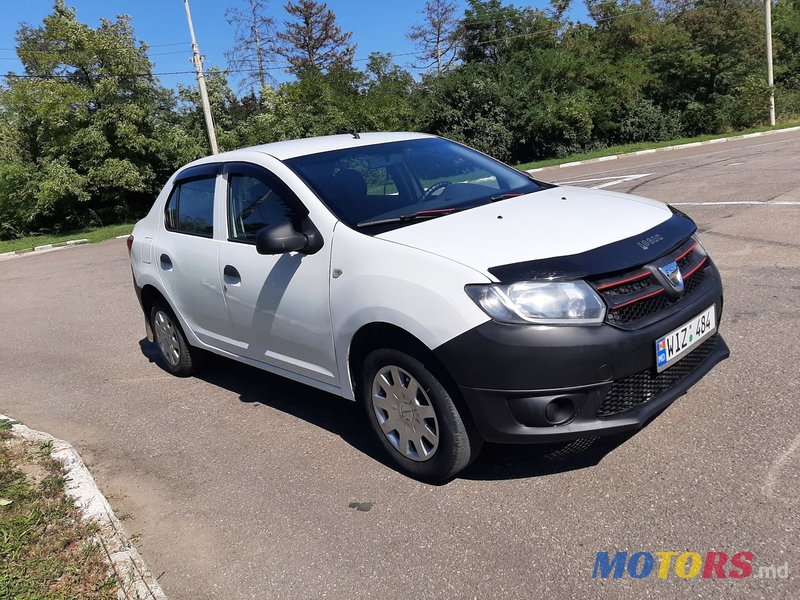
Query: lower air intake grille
644,386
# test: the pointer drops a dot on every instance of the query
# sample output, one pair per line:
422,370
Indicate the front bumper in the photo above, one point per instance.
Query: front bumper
509,374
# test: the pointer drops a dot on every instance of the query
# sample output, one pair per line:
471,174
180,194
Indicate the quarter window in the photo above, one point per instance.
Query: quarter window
190,208
252,205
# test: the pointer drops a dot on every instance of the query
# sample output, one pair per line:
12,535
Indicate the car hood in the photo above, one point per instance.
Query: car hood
556,222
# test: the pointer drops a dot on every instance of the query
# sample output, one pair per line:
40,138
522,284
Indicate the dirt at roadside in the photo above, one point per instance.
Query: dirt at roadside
45,550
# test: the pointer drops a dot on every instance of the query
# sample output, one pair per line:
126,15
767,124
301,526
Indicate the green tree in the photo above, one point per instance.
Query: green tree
311,39
92,119
786,29
493,31
720,46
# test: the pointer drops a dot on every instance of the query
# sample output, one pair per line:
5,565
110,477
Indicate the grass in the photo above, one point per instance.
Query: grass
46,552
648,145
93,235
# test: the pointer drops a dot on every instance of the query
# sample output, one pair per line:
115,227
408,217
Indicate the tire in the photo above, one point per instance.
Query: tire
414,417
176,355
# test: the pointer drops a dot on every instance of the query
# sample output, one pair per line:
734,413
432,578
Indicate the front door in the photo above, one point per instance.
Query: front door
278,304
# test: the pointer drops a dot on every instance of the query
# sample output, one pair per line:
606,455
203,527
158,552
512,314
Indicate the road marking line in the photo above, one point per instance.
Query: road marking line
607,181
671,160
777,466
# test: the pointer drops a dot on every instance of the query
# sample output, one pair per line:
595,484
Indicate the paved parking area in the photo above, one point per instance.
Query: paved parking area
240,483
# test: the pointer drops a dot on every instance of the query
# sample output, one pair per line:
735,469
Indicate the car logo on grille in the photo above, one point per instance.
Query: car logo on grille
673,275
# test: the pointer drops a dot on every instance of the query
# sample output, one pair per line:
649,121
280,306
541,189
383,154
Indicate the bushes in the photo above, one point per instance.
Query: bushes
470,106
16,187
746,105
645,122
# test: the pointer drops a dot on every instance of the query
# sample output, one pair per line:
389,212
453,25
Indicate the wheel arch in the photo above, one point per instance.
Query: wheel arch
379,335
149,296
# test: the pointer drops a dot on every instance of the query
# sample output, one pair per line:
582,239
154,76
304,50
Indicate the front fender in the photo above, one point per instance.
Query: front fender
386,282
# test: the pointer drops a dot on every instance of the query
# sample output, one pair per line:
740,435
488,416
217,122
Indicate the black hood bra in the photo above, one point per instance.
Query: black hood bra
617,256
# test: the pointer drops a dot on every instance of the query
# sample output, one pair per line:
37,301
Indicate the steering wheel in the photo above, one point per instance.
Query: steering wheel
439,185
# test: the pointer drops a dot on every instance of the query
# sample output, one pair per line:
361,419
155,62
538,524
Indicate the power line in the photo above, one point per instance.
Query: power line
145,43
104,50
165,45
286,66
129,75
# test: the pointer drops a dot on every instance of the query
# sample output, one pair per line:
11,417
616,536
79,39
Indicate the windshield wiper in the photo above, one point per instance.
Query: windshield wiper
416,216
505,196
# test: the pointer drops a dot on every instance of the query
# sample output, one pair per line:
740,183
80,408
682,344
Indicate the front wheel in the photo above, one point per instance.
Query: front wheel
415,417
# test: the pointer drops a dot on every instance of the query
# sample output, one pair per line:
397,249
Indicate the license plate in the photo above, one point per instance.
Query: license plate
679,342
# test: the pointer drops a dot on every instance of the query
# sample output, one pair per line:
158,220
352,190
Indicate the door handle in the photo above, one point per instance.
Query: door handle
231,275
166,262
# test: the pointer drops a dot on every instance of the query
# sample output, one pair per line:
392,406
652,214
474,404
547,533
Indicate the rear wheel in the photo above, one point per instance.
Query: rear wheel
177,356
415,417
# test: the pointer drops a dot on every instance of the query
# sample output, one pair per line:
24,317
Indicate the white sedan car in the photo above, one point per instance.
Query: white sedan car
458,299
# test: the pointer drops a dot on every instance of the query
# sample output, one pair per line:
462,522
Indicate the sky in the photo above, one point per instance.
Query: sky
377,26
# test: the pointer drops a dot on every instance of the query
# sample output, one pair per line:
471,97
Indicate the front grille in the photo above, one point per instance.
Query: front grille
642,387
638,310
637,295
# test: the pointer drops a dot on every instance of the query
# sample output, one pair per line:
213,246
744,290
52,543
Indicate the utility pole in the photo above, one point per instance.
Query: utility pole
201,82
770,81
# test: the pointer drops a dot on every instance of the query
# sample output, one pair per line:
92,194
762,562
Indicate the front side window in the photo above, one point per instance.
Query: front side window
190,208
252,205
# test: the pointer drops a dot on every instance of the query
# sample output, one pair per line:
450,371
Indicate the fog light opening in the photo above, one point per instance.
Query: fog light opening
559,410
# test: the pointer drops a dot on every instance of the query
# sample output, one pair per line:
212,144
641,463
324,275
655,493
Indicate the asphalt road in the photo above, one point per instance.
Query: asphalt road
240,483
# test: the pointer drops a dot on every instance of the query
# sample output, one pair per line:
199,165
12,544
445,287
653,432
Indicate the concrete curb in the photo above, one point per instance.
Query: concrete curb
665,149
135,580
56,245
44,248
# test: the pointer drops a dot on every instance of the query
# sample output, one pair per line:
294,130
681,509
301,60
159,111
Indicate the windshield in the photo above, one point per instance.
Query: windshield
394,184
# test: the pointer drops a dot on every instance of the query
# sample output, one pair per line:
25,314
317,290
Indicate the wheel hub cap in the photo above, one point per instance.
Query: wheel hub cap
405,413
167,338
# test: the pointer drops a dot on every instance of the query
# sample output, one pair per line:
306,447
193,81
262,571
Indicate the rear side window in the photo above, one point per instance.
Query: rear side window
190,208
252,205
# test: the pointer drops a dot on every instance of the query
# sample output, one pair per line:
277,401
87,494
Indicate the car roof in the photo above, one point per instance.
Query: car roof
314,145
294,148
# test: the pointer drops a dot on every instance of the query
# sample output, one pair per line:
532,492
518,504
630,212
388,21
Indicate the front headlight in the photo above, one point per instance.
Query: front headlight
541,302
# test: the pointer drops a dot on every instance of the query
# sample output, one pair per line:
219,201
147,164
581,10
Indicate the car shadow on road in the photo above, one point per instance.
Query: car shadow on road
345,419
254,386
514,461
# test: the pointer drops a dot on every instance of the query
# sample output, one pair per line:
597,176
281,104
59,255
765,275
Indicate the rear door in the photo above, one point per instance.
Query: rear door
279,305
186,253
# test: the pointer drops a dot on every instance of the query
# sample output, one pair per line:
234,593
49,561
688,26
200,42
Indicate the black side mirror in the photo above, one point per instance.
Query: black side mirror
283,238
280,239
